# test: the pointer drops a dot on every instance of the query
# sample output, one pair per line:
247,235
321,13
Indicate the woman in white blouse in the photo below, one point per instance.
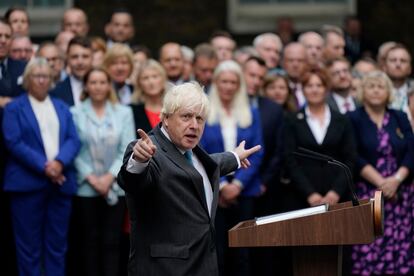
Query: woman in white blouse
105,128
42,142
318,128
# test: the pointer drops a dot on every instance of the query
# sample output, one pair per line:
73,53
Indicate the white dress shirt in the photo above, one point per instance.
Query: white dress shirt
77,88
48,122
341,102
318,130
228,131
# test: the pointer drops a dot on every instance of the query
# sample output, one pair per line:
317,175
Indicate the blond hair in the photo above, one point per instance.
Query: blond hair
139,95
243,115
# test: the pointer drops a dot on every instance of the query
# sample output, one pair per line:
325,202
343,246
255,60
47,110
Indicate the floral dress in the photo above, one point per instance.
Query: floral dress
393,253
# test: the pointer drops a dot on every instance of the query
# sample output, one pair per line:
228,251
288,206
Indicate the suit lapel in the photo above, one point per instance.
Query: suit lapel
62,121
179,160
301,117
31,118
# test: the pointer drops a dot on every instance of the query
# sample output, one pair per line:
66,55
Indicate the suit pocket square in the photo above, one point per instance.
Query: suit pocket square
170,251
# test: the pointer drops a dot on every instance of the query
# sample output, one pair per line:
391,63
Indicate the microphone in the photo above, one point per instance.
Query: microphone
309,154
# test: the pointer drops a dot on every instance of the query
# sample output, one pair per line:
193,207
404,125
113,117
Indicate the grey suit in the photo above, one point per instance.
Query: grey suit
171,230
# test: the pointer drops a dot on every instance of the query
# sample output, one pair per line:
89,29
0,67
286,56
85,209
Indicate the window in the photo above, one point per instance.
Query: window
253,16
45,15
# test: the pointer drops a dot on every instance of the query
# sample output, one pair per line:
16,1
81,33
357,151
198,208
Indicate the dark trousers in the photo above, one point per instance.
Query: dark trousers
232,261
40,225
8,264
100,235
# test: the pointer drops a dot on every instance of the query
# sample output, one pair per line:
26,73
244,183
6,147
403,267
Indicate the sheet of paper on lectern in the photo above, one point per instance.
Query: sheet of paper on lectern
293,214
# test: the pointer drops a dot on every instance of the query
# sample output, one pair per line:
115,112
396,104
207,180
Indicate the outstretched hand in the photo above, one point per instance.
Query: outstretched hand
244,153
144,148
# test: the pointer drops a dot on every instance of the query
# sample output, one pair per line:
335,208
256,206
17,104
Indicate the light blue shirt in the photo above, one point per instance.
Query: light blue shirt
104,141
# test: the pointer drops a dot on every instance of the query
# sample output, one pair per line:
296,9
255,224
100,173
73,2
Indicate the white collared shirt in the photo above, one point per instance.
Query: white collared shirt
124,94
340,102
318,130
48,122
77,88
229,131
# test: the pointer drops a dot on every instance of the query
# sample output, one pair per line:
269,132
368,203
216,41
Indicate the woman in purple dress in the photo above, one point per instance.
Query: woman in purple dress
385,148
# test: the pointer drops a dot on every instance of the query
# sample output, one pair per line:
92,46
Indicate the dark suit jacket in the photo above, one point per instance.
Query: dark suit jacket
25,168
271,115
171,230
140,118
401,138
63,91
309,176
330,100
15,70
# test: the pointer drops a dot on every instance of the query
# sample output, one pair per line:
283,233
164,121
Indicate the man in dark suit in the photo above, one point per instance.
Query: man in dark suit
340,98
10,69
271,116
172,189
79,59
10,72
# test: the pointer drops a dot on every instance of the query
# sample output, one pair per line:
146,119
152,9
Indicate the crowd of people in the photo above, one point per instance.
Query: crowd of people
69,107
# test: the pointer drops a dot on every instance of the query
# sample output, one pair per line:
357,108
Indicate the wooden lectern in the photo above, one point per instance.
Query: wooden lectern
317,239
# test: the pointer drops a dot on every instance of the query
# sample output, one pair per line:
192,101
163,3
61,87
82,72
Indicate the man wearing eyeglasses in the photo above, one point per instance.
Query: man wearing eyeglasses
340,98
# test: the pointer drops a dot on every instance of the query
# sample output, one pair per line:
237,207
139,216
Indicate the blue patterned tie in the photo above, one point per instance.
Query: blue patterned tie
189,156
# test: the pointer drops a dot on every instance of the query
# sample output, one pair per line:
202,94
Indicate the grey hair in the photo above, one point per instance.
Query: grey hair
260,38
187,95
35,62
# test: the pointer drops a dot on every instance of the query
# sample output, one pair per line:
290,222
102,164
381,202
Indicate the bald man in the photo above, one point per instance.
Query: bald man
75,20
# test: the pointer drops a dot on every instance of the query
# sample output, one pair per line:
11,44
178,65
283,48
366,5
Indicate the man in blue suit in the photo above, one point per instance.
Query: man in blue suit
79,59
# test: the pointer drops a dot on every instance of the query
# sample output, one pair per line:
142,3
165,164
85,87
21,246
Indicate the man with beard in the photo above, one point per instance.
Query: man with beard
79,60
340,98
397,66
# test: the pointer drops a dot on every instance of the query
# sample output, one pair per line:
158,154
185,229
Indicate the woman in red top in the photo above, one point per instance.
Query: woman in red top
151,85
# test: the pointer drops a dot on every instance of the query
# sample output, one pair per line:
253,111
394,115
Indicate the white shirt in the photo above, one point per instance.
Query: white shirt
77,88
297,89
124,94
48,122
229,131
340,102
318,130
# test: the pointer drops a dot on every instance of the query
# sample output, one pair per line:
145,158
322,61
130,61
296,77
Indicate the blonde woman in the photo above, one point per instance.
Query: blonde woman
230,121
118,62
151,86
105,128
385,159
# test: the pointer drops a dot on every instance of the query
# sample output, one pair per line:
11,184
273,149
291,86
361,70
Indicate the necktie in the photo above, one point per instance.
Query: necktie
347,106
189,156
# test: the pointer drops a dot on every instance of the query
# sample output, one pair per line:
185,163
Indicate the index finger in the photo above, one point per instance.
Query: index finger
143,135
253,149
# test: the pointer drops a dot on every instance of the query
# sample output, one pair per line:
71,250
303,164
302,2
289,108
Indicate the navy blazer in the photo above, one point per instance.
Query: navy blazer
25,169
401,138
271,117
15,69
212,142
63,91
